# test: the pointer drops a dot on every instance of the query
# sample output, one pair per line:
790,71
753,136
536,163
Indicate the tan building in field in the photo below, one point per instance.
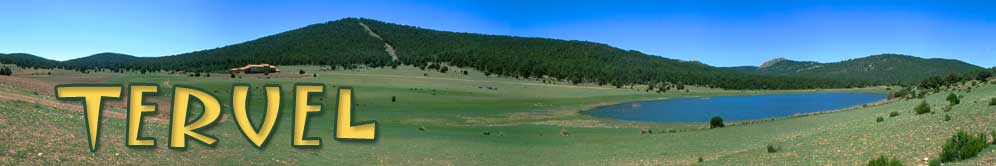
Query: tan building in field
255,68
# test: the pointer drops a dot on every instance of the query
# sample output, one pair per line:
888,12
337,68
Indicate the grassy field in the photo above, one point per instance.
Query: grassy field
526,119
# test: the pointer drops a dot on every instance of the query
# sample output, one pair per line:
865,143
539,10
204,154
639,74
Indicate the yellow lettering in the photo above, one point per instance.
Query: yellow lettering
344,128
92,96
301,110
239,98
179,129
136,109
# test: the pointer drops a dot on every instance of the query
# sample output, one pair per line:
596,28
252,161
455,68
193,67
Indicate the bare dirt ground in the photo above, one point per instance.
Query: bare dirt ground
39,82
73,107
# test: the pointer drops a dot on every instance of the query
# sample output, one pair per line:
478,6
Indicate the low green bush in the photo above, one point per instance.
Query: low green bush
992,102
884,161
947,117
716,122
963,146
893,114
923,108
954,99
773,149
879,119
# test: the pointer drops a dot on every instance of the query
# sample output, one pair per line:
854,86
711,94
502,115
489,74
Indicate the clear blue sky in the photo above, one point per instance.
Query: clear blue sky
719,33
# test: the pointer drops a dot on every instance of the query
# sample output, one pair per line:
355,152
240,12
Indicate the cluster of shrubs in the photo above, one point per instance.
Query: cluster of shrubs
436,66
992,102
6,71
962,146
885,161
199,75
901,93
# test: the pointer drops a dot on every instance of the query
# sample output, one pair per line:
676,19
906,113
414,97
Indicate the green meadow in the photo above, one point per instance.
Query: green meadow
457,119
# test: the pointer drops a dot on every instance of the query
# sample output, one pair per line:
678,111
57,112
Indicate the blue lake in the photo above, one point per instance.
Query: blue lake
733,108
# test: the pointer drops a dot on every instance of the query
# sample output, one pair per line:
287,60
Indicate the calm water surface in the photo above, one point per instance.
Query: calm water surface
734,108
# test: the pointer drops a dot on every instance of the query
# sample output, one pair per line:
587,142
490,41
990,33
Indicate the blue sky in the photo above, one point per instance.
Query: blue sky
719,33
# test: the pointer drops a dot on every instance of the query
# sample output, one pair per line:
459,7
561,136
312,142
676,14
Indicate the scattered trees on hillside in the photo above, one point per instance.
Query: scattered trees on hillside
716,122
946,81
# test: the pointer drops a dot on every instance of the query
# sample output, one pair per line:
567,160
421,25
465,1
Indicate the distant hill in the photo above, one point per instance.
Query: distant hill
879,69
102,60
28,60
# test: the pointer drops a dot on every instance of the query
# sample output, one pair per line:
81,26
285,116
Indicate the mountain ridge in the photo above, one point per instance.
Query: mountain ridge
348,42
881,68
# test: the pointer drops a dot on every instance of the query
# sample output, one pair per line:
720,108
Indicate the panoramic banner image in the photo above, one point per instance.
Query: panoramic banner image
511,82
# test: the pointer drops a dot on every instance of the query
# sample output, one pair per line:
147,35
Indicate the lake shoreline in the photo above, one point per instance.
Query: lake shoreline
708,106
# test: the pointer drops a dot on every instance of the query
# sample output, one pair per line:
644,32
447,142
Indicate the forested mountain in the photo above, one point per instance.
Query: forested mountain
349,42
342,42
577,61
879,69
101,60
28,60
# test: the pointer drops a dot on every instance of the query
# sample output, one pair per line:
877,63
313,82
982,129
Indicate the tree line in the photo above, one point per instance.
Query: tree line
346,44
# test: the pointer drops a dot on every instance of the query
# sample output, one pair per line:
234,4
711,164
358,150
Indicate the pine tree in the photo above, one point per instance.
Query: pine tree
6,71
